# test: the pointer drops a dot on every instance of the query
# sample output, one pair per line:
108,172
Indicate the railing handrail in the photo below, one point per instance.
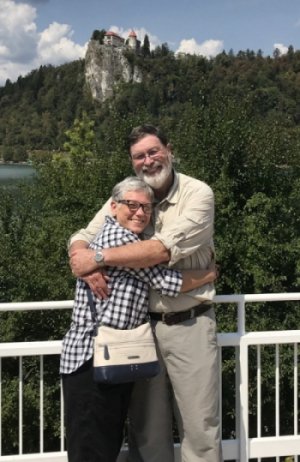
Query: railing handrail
231,298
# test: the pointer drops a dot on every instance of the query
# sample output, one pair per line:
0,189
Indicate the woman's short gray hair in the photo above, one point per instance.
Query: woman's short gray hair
131,183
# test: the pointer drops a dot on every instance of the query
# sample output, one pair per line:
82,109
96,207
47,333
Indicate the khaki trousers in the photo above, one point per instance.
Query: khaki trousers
188,385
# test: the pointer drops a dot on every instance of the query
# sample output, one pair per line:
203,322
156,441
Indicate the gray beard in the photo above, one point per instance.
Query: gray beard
157,181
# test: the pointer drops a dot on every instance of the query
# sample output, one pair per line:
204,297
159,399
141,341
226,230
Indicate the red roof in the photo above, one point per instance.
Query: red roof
132,34
111,33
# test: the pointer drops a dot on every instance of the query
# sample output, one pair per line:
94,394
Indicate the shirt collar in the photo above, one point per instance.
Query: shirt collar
172,196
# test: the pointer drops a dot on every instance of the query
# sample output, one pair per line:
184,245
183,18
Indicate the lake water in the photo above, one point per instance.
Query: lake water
11,173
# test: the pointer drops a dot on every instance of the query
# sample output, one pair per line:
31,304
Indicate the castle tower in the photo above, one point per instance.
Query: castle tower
132,40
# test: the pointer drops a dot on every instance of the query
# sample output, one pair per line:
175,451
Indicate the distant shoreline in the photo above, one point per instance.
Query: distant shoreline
2,162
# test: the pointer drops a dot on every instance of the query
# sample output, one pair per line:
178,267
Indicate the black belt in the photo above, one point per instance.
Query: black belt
180,316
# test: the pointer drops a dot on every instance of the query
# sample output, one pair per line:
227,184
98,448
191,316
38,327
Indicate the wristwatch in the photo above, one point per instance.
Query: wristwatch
99,258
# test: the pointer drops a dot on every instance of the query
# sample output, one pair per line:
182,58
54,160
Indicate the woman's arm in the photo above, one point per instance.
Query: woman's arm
192,279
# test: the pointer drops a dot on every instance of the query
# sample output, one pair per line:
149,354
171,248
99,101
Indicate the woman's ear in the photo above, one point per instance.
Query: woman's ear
113,208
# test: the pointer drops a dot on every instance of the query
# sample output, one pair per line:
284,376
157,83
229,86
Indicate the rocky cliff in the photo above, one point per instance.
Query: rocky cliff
105,66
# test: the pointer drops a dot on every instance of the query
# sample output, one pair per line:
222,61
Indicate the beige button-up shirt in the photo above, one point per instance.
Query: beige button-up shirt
184,222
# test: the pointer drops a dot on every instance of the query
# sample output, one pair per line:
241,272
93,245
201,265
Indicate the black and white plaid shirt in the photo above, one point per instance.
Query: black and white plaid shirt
127,305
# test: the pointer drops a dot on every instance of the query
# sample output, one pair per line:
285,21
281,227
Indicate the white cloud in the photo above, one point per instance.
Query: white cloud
282,48
140,32
56,47
17,32
208,48
23,48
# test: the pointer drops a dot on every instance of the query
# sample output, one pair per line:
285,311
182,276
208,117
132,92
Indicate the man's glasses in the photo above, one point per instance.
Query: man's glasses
153,153
134,206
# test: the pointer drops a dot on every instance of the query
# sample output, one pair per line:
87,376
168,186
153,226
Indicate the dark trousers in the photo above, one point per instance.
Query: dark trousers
94,416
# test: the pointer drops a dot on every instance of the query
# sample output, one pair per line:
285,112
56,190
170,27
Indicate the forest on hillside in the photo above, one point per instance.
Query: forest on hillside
37,109
233,121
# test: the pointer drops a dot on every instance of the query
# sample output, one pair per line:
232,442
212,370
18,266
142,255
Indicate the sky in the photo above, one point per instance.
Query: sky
42,32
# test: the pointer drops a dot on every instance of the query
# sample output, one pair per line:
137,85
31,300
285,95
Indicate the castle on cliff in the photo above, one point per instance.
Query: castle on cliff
107,64
113,39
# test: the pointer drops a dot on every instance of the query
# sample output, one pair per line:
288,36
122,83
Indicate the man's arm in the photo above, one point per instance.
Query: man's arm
192,228
189,231
138,255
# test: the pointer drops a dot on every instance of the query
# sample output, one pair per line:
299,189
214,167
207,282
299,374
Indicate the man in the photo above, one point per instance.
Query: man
182,236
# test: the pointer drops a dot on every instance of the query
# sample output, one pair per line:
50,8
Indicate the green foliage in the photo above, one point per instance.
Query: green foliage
37,109
98,35
146,46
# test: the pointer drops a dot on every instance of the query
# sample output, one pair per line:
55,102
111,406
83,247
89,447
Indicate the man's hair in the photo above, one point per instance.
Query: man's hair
141,131
131,183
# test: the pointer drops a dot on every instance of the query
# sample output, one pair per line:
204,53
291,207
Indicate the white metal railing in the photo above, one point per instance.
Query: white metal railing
240,446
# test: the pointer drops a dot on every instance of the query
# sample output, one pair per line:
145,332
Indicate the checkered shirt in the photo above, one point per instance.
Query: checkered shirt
127,305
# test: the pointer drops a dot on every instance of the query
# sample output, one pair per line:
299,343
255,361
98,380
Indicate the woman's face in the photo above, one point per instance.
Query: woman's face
134,212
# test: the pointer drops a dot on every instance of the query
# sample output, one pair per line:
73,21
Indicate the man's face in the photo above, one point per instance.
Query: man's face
130,213
152,161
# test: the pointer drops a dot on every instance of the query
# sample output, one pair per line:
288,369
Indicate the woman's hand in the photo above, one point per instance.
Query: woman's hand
213,271
97,281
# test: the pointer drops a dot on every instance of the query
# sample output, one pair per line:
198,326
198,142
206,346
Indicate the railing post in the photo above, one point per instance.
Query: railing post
244,405
21,405
41,403
242,384
295,394
0,407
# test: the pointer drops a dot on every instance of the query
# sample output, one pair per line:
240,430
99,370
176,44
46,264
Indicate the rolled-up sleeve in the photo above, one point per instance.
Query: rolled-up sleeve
188,224
164,280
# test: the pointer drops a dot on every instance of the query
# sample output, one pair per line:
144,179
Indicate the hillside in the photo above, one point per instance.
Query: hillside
38,109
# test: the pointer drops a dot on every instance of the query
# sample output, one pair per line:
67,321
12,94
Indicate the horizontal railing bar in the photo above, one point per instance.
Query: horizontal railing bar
34,306
224,340
236,298
274,446
271,337
40,457
233,298
51,347
230,451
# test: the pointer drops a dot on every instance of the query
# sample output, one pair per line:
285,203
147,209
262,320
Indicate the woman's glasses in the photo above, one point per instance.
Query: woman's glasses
134,206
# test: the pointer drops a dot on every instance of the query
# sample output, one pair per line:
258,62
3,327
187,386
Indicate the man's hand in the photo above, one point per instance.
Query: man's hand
97,281
82,261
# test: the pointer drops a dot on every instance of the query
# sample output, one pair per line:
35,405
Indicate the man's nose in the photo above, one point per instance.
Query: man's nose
148,160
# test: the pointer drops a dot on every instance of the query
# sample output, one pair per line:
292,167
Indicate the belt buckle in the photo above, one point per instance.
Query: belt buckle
166,316
192,313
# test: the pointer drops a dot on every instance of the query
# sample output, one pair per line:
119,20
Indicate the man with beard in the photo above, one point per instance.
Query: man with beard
180,235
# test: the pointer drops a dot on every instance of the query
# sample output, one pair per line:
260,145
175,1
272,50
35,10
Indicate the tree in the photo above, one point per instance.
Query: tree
146,46
98,35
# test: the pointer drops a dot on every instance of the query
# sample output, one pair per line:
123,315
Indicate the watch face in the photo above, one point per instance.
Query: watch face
99,257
